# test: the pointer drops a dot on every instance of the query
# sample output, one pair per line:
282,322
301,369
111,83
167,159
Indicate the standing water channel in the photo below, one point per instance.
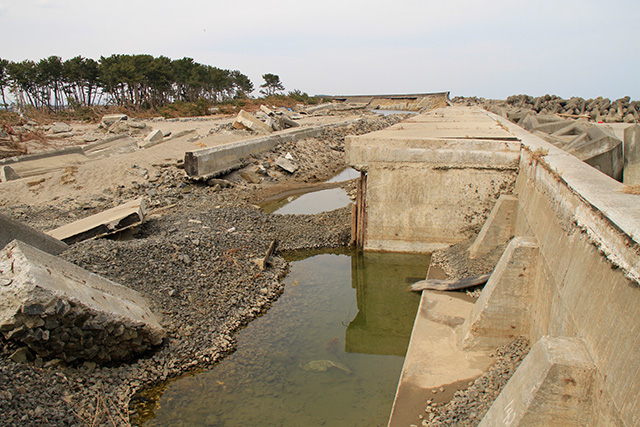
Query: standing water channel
328,352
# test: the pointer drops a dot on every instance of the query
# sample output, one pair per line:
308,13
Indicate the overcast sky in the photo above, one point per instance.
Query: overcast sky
492,48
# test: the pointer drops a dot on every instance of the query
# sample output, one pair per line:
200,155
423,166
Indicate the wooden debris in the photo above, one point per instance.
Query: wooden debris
263,262
449,285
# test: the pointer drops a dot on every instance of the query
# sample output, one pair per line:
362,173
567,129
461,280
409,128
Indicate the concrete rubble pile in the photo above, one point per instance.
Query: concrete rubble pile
62,311
266,120
600,109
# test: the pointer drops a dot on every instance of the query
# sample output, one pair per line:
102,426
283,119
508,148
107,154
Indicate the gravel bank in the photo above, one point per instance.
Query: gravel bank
468,407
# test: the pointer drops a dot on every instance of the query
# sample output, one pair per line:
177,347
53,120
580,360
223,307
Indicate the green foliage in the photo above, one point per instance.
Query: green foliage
130,81
272,84
298,95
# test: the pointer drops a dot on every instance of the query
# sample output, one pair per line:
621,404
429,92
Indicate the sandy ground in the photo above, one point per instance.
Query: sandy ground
91,176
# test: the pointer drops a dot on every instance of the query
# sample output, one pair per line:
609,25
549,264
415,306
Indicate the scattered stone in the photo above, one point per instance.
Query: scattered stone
109,120
250,177
22,355
90,138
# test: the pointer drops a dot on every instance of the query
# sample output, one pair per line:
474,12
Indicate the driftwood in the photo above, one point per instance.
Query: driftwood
262,262
449,285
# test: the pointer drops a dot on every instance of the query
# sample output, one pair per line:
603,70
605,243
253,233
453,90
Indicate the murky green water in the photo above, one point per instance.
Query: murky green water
329,351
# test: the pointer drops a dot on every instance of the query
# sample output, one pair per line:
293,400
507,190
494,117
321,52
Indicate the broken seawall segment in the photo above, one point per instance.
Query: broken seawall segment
61,310
12,230
210,162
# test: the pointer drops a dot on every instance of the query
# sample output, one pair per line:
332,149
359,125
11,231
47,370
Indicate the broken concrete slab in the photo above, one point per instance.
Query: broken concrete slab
108,222
8,174
60,127
154,138
245,120
60,310
286,164
210,162
631,174
12,230
110,119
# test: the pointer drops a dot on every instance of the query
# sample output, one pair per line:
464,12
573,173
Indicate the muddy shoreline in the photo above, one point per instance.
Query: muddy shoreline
194,262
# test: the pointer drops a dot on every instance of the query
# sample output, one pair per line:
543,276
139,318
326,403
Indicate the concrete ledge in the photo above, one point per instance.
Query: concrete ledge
210,162
553,386
15,230
433,358
501,312
498,228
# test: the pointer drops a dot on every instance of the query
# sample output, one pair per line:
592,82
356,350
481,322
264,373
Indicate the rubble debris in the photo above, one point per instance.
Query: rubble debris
60,310
245,120
104,223
8,174
59,127
263,262
250,177
286,164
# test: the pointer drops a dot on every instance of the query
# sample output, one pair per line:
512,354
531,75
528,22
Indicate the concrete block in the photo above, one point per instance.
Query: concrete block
155,137
498,228
59,128
8,174
245,120
631,174
12,230
110,221
61,310
286,164
501,312
554,386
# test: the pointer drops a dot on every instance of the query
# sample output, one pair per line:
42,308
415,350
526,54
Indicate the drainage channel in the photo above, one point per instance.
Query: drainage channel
328,352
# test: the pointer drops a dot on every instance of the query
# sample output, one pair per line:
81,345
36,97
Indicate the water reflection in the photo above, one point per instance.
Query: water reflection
329,351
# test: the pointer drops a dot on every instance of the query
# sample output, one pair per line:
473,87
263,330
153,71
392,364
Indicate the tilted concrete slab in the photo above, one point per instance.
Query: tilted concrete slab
41,163
61,310
433,358
110,221
15,230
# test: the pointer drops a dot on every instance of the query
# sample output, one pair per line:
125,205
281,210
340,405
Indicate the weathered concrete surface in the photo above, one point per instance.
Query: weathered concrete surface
15,230
458,149
155,137
498,228
210,162
60,310
554,386
433,358
587,274
107,222
501,312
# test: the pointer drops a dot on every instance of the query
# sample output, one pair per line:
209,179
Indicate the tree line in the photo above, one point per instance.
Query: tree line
139,81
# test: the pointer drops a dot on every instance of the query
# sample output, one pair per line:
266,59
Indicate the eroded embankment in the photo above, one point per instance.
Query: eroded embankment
193,260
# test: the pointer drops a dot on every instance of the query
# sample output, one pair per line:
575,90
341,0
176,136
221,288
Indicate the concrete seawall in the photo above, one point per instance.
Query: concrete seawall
568,280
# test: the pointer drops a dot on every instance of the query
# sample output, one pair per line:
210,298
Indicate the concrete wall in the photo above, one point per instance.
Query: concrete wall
586,280
432,178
